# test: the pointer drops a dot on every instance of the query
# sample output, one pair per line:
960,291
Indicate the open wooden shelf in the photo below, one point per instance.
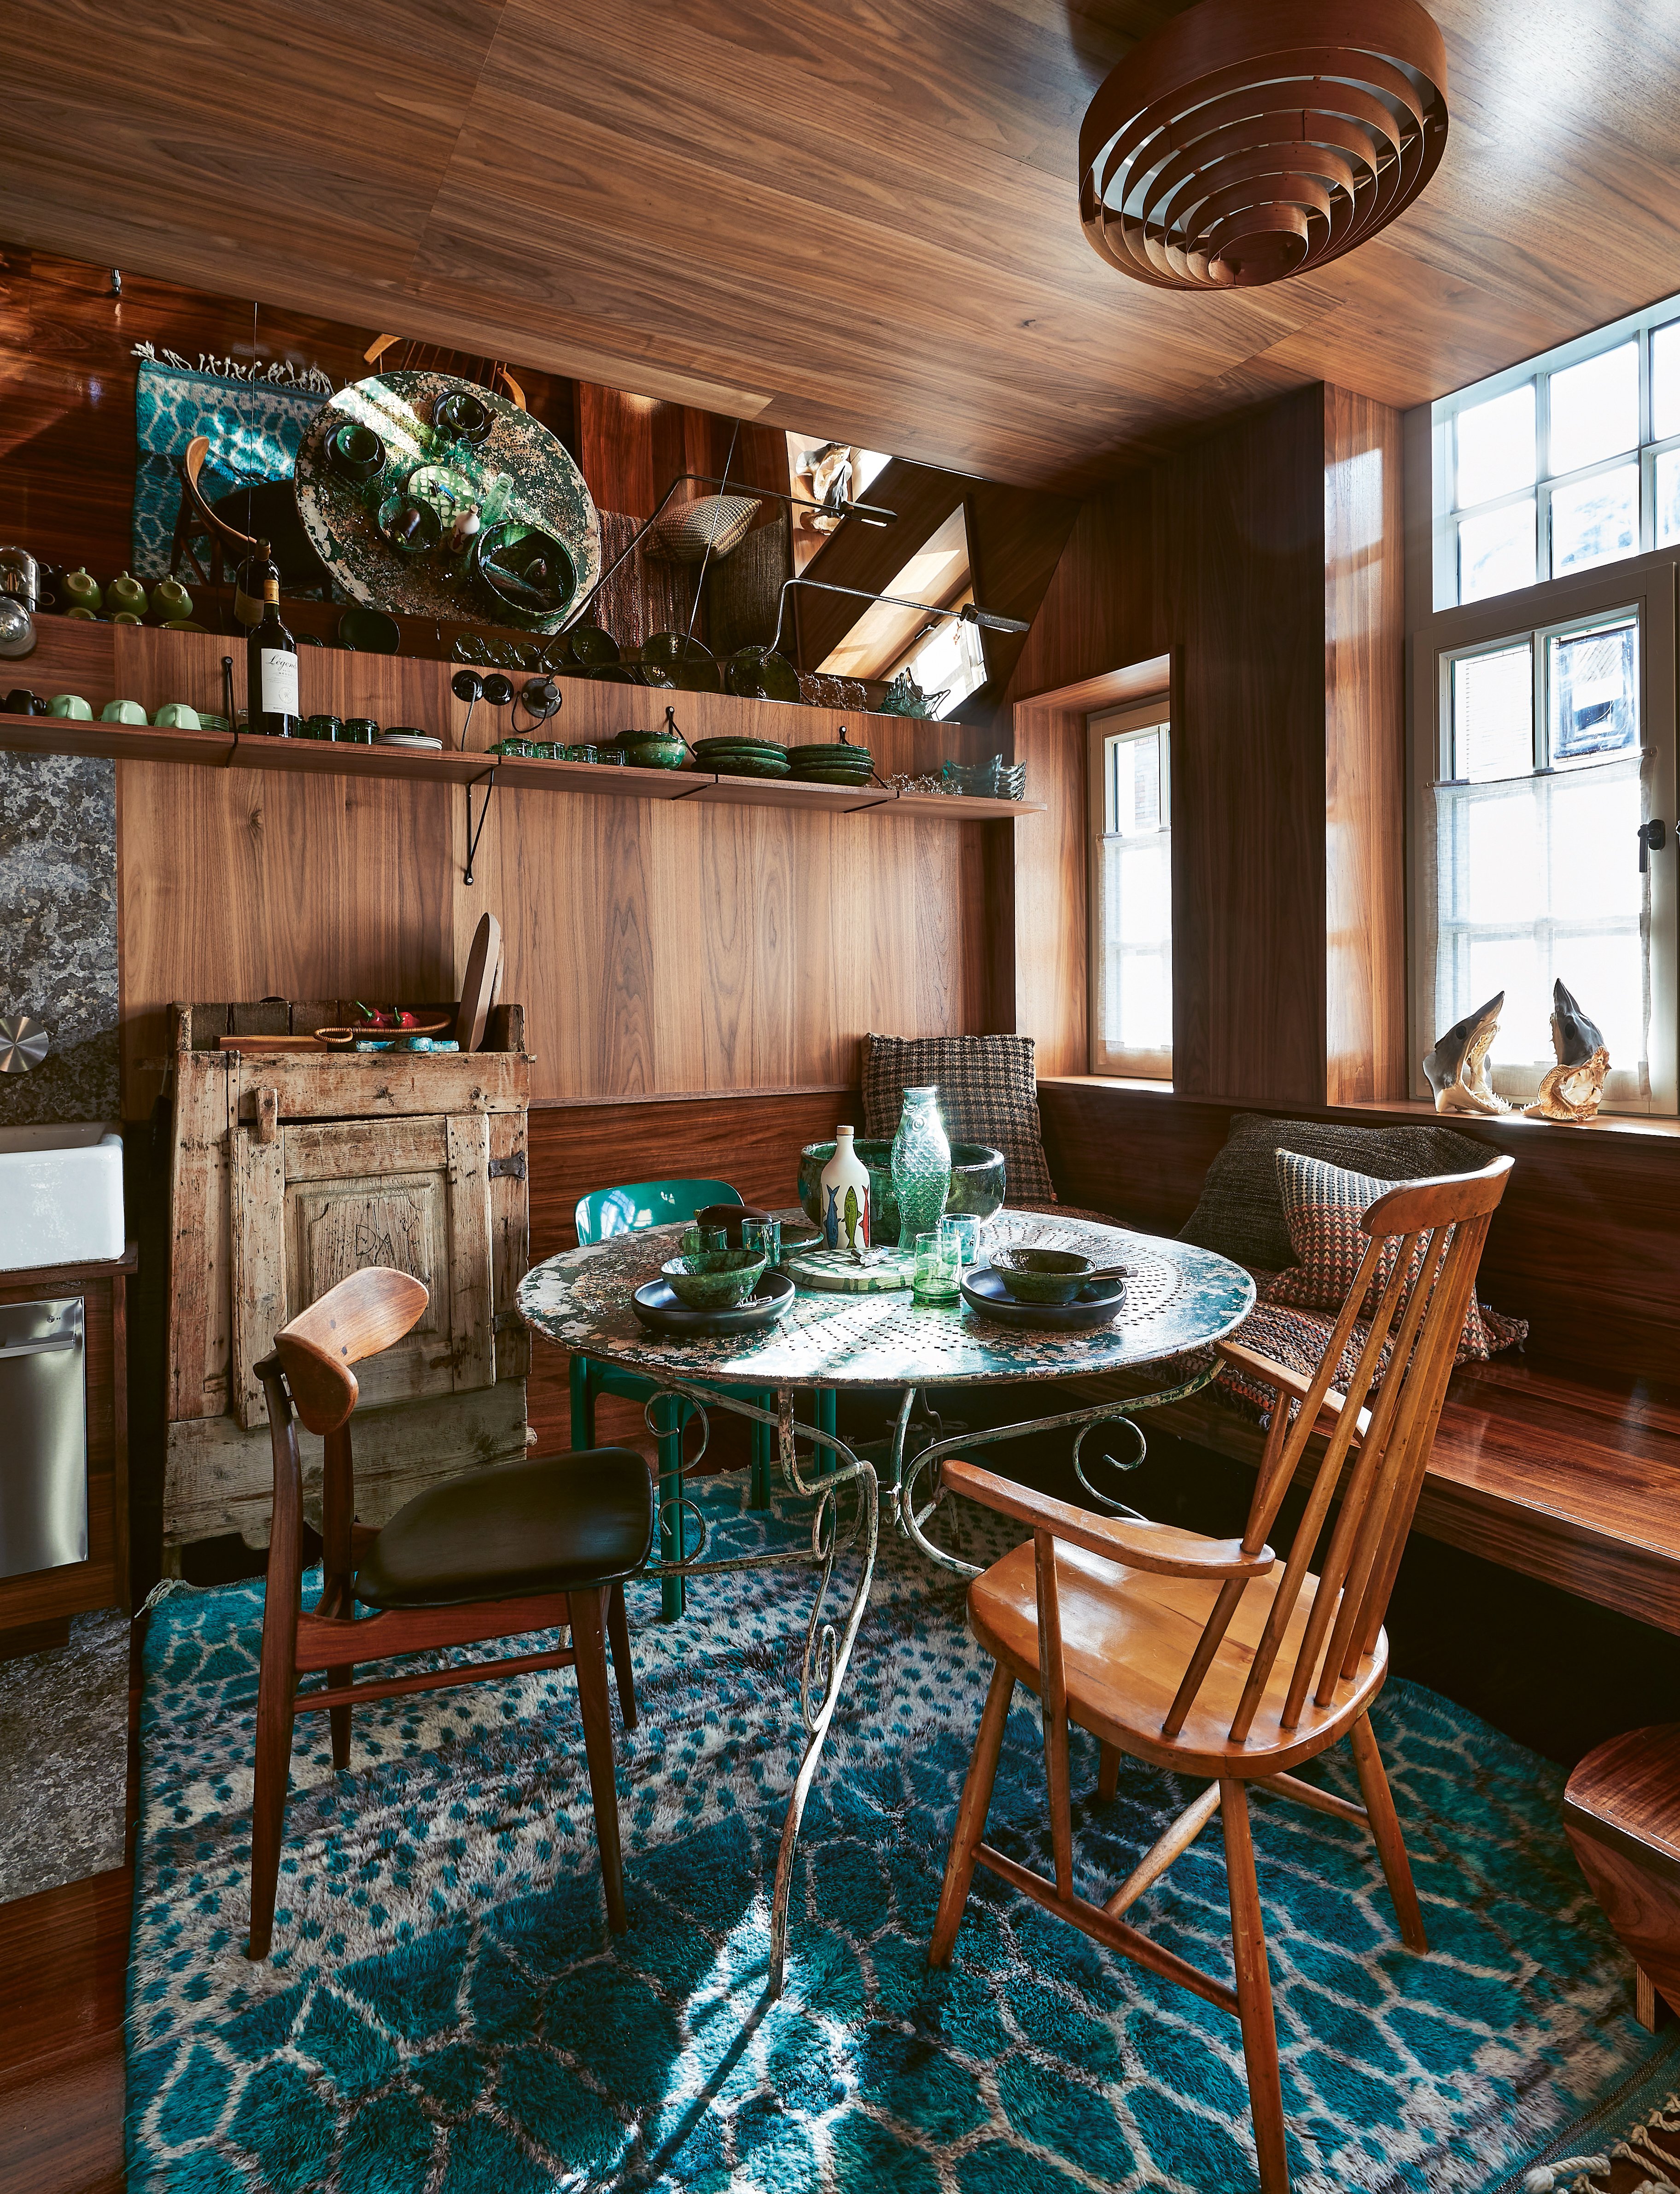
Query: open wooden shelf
220,751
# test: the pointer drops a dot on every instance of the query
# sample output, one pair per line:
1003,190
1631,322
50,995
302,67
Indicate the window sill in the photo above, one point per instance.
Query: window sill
1396,1109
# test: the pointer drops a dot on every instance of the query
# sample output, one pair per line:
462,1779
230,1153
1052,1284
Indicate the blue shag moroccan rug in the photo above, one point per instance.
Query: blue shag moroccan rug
447,2013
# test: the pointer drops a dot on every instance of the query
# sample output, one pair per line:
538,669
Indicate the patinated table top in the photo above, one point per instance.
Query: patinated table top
1177,1298
519,471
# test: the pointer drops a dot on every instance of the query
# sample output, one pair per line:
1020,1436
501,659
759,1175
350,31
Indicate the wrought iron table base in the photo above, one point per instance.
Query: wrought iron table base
829,1643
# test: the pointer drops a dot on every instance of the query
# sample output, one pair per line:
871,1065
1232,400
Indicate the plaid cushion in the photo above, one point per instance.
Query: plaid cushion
987,1094
1323,1207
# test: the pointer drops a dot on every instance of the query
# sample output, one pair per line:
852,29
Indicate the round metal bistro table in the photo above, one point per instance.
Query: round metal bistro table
1178,1301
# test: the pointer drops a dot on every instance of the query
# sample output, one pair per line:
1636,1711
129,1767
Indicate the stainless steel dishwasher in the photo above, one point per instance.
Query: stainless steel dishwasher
43,1435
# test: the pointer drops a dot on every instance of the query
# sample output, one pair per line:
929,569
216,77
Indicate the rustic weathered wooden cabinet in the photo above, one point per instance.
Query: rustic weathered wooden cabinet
291,1169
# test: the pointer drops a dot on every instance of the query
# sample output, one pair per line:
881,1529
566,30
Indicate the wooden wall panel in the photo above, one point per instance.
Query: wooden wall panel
1239,525
1364,753
1585,1245
1051,941
657,945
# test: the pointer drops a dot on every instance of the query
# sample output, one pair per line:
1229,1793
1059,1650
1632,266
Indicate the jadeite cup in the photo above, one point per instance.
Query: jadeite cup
122,712
70,704
177,716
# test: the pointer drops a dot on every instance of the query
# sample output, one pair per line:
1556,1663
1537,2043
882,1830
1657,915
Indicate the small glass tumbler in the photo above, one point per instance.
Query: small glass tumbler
697,1239
961,1235
937,1270
763,1234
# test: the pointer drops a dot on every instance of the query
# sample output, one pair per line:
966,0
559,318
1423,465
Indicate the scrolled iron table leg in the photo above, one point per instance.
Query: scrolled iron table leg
910,1518
829,1640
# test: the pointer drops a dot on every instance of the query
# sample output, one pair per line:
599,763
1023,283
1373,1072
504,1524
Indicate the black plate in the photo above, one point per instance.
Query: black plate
988,1292
662,1310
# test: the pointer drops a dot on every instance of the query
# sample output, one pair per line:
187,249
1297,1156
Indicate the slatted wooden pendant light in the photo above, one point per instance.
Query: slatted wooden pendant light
1249,140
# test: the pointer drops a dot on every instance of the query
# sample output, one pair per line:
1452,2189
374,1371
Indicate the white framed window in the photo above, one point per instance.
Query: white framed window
1561,464
1130,892
1553,737
948,661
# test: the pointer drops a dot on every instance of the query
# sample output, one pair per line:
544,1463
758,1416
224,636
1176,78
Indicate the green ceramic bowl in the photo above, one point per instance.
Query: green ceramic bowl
654,754
715,1279
1042,1276
976,1182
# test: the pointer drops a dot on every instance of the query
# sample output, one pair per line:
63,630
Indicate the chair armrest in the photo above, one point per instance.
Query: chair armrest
1270,1372
1162,1548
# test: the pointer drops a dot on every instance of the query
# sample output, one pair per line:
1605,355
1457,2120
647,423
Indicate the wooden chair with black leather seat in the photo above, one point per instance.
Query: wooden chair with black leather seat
1095,1615
542,1544
195,517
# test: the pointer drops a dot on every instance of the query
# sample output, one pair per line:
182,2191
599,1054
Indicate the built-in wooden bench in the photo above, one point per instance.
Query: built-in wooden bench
1539,1469
1564,1473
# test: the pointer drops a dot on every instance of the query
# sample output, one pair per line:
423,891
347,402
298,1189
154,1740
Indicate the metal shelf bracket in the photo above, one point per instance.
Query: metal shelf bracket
487,780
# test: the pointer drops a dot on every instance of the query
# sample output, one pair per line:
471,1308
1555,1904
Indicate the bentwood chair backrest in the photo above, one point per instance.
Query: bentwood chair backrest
1424,1244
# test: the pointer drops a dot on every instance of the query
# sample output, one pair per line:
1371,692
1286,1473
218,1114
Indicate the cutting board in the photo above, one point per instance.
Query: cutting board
483,965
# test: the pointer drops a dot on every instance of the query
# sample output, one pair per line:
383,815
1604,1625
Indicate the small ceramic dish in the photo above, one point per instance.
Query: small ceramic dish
1050,1276
715,1279
652,750
408,525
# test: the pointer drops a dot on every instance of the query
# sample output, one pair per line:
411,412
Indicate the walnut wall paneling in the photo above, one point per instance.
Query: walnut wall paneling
1364,752
1265,560
1239,531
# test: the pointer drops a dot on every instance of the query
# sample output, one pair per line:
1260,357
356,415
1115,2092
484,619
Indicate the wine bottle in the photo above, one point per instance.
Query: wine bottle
271,658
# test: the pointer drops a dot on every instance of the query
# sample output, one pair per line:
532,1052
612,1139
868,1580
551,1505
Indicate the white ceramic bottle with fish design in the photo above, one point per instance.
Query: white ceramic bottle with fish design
846,1196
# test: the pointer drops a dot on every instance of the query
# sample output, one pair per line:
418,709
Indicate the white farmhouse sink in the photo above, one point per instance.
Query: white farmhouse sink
60,1196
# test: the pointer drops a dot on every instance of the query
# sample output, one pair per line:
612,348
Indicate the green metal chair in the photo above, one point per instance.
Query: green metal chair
626,1210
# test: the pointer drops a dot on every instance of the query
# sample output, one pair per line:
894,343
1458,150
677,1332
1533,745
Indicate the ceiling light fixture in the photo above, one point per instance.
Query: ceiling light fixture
1247,140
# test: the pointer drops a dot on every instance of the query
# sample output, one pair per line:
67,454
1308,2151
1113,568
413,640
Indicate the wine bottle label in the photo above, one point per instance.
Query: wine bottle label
278,673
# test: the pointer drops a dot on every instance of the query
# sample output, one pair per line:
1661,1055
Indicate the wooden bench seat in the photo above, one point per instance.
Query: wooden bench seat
1540,1468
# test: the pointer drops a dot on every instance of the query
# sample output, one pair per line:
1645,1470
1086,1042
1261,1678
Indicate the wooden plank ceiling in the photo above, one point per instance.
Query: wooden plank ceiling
828,215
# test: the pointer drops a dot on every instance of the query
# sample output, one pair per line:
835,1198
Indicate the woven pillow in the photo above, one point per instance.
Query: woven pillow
1323,1207
1241,1213
987,1094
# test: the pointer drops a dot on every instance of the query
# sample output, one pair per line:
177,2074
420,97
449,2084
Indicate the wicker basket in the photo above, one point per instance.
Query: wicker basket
719,523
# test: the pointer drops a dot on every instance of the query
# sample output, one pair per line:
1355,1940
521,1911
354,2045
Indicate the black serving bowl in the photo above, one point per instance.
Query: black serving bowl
462,417
525,573
356,453
976,1182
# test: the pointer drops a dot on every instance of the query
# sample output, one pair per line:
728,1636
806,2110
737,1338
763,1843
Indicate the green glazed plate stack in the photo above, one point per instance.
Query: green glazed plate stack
742,757
831,763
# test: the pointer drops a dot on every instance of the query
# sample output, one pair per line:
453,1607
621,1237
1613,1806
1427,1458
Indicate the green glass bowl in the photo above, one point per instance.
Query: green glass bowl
715,1279
1041,1276
977,1183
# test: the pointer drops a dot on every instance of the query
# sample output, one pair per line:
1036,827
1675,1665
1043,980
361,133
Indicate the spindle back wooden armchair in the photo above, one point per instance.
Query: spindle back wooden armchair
1094,1612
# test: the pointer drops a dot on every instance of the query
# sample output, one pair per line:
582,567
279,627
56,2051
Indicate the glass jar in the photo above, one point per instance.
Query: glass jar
921,1165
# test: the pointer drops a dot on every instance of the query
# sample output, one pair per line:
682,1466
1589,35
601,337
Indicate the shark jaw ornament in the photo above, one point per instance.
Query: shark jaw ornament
1457,1068
1573,1090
